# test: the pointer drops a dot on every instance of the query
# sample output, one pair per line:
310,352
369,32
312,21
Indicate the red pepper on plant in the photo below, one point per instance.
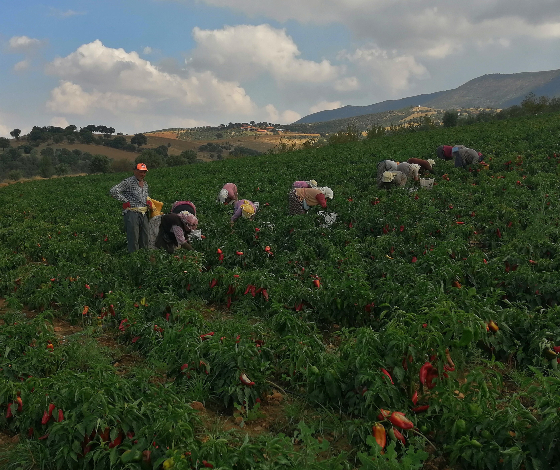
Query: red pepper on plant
383,414
380,435
398,436
400,420
388,375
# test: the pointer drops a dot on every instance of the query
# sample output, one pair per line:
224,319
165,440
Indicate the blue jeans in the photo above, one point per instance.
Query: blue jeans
136,227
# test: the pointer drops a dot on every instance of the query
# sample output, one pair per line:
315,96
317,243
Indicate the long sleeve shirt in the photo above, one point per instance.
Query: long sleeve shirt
408,170
238,211
312,196
425,164
178,231
466,156
129,190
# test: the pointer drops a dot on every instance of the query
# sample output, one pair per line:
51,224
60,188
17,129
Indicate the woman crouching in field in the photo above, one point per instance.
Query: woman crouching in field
300,200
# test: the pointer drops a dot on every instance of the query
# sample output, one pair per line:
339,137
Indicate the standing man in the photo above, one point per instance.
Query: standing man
133,193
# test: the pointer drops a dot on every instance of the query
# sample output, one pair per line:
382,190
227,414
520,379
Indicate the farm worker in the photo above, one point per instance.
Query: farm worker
304,184
445,151
426,166
133,193
391,179
465,156
228,193
244,208
175,229
300,200
382,167
410,170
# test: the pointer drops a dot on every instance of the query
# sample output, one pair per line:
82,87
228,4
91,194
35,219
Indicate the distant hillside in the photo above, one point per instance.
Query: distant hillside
489,91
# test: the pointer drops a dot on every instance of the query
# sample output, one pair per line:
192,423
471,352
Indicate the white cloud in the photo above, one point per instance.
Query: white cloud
246,51
325,106
147,50
347,84
58,121
435,29
22,65
95,77
24,44
388,71
286,117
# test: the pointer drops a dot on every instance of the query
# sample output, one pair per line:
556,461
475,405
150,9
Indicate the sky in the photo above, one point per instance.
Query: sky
143,65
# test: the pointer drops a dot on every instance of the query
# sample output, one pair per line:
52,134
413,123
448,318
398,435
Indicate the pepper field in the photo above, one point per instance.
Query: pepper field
403,276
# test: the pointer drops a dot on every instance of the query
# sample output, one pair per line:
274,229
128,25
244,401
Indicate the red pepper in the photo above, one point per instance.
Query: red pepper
400,420
415,397
9,412
44,420
213,283
207,464
246,380
398,436
380,435
383,414
388,375
432,374
498,233
85,310
206,336
60,415
221,257
317,283
103,435
424,371
111,310
20,404
51,409
249,286
117,441
420,409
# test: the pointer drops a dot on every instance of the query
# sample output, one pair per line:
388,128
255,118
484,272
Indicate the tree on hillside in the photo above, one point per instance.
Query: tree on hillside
450,119
100,164
139,139
4,143
15,133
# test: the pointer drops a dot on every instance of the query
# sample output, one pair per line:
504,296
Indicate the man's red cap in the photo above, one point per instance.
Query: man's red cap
142,166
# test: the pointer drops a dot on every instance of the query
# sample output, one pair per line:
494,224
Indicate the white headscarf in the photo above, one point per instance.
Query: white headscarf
222,195
328,192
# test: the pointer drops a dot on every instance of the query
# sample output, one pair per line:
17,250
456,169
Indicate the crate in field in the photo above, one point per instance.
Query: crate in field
426,183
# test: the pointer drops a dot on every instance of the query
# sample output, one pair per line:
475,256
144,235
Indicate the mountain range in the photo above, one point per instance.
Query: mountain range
495,91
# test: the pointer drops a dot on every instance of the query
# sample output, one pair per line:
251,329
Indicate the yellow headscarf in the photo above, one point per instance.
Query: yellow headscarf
248,209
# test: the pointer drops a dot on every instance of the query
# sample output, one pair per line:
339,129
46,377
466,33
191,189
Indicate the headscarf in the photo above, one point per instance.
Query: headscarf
388,176
431,161
312,183
222,195
190,220
248,210
328,192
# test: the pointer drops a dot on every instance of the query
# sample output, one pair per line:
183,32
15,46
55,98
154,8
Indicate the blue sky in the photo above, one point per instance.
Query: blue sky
141,65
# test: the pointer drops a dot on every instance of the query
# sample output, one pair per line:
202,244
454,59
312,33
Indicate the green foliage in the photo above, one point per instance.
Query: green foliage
406,277
100,164
450,118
